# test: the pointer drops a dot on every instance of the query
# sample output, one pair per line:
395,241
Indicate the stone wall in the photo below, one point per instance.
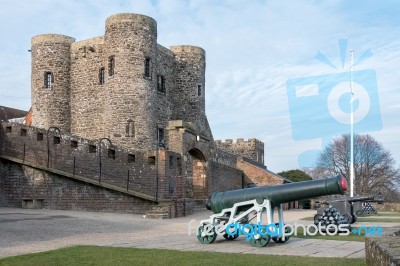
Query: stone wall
383,250
144,172
51,103
252,148
20,182
257,175
87,94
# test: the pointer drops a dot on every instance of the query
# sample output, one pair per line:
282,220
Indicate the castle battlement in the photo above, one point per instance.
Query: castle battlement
252,148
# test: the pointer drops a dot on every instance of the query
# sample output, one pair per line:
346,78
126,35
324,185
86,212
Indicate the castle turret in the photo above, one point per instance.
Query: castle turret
189,105
51,63
130,49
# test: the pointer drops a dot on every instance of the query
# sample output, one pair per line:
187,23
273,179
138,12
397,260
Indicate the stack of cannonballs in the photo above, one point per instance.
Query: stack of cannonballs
330,216
368,209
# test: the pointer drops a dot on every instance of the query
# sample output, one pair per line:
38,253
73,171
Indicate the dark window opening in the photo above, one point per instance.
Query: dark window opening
130,128
23,132
111,66
161,84
39,136
111,154
131,158
171,162
152,160
92,148
147,67
48,80
74,144
101,76
8,129
179,165
160,135
198,90
56,140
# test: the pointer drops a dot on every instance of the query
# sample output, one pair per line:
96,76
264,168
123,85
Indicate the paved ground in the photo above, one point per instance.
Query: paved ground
26,231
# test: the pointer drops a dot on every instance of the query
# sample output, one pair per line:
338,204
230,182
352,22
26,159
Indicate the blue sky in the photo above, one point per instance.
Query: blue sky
253,48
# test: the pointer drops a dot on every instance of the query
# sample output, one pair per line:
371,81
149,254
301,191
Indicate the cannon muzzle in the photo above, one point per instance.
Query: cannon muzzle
278,194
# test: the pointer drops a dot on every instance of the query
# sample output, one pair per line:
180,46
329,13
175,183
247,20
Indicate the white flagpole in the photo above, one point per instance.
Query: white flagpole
351,128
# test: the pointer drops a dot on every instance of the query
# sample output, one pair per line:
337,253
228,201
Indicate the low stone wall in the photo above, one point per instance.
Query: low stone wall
384,250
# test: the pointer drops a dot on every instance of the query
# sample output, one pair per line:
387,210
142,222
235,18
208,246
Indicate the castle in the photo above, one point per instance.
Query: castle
142,101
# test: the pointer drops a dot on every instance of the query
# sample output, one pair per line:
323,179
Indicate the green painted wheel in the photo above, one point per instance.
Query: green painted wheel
230,237
206,234
279,239
260,240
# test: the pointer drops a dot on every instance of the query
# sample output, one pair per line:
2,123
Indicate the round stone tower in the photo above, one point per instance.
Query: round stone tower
131,52
190,84
51,65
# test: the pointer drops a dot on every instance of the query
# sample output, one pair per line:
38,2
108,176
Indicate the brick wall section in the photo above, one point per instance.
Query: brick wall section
142,173
255,174
252,148
19,182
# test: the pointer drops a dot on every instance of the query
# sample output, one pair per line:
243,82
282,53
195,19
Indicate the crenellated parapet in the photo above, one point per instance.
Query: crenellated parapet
251,148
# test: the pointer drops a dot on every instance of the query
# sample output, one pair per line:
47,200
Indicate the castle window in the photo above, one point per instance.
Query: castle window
8,129
74,144
48,80
171,162
160,135
39,136
92,148
131,158
130,128
111,65
161,83
152,160
23,132
111,154
56,140
147,72
199,90
101,75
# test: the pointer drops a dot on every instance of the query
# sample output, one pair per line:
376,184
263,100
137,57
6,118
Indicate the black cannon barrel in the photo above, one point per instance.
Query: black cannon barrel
278,194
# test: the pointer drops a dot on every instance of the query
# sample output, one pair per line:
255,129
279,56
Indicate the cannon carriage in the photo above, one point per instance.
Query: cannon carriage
246,208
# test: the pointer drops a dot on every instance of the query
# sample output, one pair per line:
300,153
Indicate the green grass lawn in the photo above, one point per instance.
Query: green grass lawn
375,219
350,237
388,214
91,255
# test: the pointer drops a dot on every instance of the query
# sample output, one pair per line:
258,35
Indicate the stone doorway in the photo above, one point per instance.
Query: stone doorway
199,174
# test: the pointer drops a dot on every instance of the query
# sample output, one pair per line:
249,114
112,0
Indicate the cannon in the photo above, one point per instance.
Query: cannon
350,207
232,209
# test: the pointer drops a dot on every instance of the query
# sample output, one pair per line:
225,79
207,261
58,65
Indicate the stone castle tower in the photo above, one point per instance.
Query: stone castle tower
123,85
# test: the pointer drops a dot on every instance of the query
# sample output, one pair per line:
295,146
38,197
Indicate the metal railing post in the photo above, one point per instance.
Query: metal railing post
127,182
73,170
